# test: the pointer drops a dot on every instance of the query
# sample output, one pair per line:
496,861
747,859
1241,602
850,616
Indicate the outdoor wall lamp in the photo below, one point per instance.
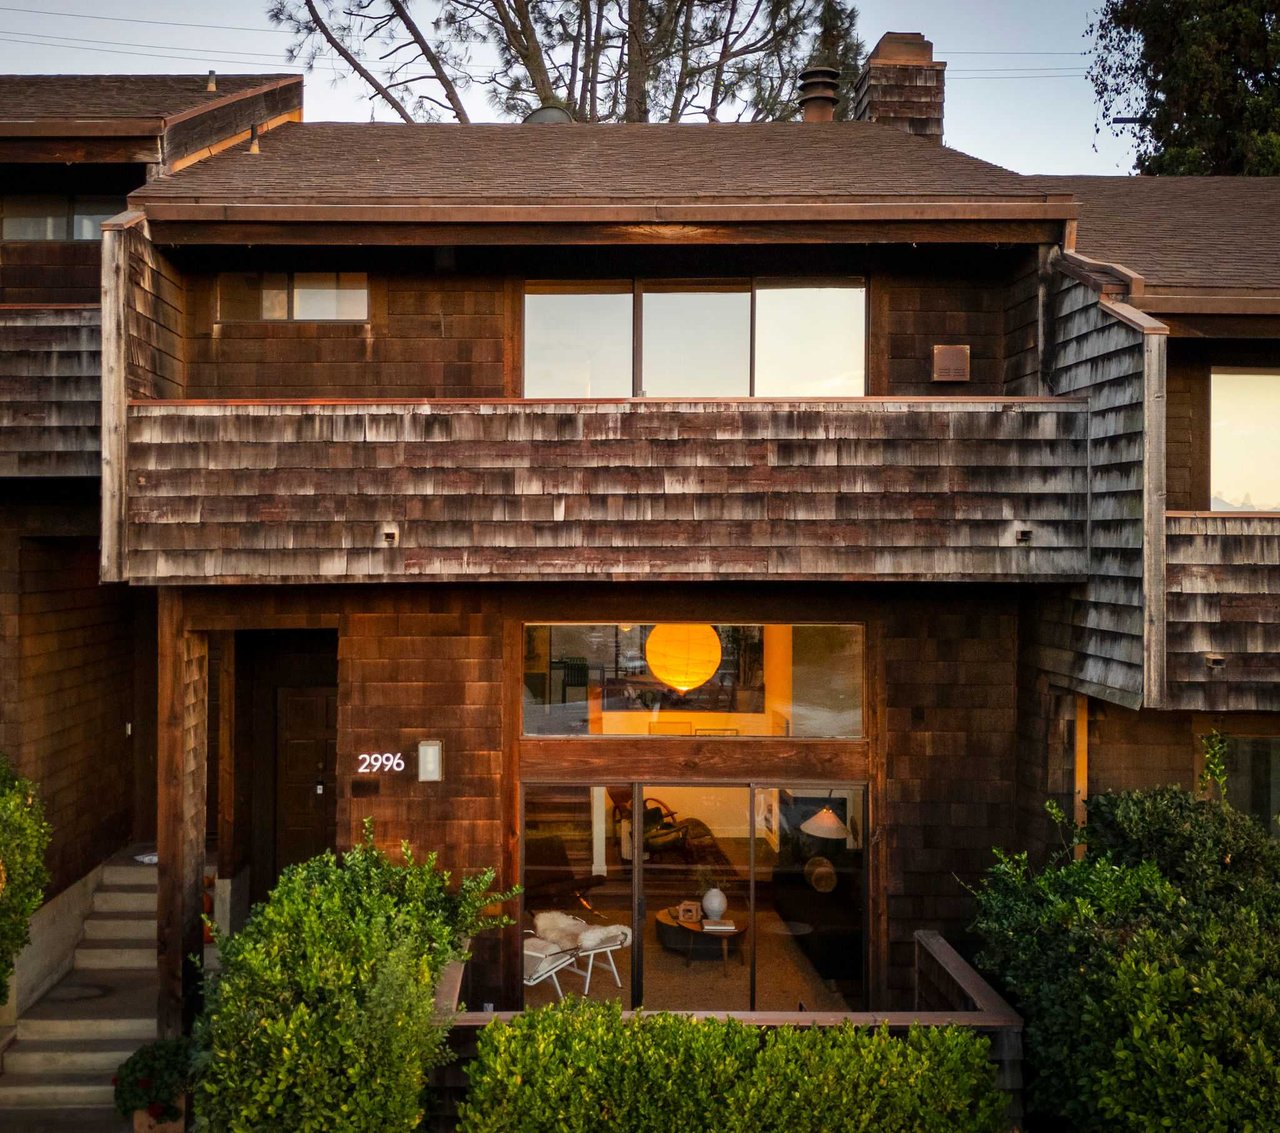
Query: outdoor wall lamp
430,761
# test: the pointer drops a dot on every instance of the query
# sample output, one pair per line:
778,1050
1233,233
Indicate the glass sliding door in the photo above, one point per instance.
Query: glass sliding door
577,882
695,848
810,898
732,898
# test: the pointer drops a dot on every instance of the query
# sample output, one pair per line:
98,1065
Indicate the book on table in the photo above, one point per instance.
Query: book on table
718,926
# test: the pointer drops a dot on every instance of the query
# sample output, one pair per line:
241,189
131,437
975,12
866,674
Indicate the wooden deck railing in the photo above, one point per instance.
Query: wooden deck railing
50,390
1222,579
928,489
948,993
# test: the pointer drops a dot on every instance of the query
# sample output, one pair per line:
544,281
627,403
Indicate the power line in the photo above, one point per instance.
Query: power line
153,55
151,46
132,20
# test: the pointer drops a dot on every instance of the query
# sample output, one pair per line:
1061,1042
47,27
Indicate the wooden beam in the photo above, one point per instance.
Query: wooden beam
115,394
1154,551
175,229
1079,811
232,826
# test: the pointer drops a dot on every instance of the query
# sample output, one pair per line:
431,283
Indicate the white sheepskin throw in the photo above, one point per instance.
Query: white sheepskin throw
559,928
604,936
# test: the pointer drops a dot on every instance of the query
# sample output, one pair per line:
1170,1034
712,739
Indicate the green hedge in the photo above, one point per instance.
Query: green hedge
323,1016
24,838
1147,973
579,1067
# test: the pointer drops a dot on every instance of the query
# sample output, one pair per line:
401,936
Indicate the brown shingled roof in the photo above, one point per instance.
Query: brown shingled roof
394,164
1181,233
48,99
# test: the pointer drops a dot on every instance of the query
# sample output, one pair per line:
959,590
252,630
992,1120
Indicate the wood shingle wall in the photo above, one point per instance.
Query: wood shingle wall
50,391
1223,577
1092,639
426,336
50,271
968,489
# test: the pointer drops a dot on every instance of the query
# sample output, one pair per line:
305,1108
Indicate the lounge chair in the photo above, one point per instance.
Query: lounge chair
584,941
543,959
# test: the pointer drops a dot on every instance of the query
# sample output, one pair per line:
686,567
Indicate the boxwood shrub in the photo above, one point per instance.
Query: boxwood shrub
323,1015
577,1066
24,838
1148,972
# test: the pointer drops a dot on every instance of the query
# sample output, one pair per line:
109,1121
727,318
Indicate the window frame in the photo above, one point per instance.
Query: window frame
71,203
638,286
1272,372
290,318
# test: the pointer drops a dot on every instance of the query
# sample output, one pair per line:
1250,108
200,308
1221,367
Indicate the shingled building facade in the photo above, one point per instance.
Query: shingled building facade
612,505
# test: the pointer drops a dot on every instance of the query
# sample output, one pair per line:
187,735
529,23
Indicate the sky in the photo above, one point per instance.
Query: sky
1016,93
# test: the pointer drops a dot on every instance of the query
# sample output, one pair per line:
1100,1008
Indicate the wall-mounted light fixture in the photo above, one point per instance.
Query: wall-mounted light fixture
430,761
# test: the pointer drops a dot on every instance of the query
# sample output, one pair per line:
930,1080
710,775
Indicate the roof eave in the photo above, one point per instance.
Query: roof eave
634,212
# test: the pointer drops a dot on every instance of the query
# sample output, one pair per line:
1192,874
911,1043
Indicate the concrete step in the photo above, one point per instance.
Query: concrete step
63,1091
87,1005
135,874
125,899
48,1056
120,926
83,1119
116,955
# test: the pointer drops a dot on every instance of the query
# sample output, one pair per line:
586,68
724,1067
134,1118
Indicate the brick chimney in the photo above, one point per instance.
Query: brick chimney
902,86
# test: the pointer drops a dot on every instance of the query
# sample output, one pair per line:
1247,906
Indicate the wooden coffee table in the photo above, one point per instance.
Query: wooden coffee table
691,939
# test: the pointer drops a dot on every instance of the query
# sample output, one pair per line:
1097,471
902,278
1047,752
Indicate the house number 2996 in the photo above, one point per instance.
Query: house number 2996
371,762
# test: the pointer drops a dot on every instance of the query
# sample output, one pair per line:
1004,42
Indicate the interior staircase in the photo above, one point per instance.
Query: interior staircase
69,1044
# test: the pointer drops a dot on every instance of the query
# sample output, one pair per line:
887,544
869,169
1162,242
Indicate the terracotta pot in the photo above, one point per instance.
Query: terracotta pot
143,1122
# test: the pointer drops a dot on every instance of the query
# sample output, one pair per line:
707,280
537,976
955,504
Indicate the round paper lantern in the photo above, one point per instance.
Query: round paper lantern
683,656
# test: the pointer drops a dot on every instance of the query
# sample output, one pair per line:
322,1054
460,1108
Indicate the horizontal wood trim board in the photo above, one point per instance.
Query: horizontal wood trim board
672,232
607,759
946,403
894,1020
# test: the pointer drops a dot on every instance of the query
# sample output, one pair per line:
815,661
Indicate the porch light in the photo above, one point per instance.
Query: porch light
825,824
430,761
683,656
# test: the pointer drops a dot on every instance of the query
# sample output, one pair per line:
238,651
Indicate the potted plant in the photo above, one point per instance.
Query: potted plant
152,1085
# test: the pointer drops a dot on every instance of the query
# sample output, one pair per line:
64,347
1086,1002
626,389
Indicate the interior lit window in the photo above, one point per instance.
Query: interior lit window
693,679
1244,416
732,338
1253,779
300,297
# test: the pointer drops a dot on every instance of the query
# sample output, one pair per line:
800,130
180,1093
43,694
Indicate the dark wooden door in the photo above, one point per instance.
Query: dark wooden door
306,786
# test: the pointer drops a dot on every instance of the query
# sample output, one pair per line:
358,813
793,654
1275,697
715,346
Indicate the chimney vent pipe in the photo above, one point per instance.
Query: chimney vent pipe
819,93
253,139
212,84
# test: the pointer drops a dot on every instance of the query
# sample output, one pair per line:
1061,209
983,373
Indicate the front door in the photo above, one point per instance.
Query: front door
306,761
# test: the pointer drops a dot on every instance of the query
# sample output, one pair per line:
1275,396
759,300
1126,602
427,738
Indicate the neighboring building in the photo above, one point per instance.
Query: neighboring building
803,480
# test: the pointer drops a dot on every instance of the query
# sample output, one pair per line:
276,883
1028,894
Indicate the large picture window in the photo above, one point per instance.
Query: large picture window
1253,779
1244,416
690,338
693,679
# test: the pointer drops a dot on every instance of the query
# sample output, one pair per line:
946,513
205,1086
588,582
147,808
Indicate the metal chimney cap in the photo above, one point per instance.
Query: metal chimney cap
547,115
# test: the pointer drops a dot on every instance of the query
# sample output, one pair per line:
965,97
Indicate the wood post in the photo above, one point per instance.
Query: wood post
181,756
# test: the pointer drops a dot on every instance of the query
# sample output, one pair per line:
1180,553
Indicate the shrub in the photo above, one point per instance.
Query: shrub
24,838
577,1066
1147,972
153,1078
323,1017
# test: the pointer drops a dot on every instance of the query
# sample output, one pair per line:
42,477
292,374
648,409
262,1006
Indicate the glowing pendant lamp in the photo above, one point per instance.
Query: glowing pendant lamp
683,656
825,824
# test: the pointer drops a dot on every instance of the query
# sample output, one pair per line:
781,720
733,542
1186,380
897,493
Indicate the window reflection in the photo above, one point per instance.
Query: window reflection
577,344
697,343
763,680
695,339
1244,428
810,339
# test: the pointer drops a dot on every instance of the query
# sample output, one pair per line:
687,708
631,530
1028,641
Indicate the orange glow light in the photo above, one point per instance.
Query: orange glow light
683,656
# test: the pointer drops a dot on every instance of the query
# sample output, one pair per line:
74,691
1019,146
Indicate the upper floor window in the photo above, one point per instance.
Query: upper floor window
730,338
304,296
48,217
1244,416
